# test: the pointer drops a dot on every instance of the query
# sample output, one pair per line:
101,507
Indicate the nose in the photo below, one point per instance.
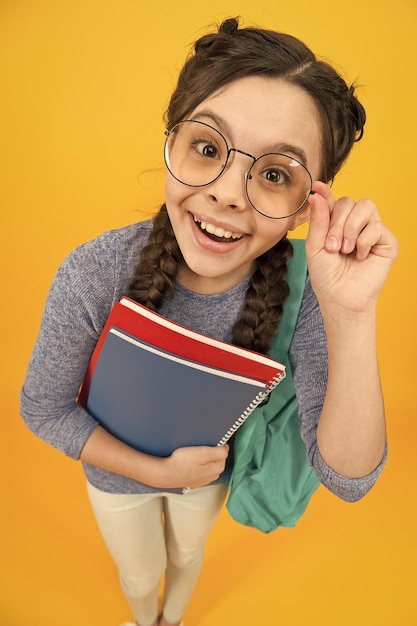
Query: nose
229,190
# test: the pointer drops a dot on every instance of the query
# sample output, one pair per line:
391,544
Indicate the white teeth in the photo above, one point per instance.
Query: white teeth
218,232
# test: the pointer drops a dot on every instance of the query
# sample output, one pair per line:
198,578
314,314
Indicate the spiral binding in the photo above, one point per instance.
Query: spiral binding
249,409
253,405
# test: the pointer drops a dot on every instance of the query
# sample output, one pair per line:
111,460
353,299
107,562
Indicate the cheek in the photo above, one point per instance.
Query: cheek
300,218
169,188
268,235
175,192
270,229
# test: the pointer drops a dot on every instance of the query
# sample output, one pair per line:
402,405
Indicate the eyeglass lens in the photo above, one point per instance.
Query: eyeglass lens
196,154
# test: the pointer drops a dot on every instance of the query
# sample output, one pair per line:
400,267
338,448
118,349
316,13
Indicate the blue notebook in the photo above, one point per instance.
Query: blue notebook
156,401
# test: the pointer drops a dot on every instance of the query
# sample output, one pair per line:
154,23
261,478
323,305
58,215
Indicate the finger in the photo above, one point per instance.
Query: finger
224,450
377,239
213,454
349,219
367,239
324,190
341,235
319,222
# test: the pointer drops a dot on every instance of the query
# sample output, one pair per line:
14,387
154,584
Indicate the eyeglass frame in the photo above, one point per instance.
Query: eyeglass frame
248,176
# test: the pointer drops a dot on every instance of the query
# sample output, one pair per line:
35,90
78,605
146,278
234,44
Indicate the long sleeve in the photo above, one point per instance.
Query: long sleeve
87,283
309,362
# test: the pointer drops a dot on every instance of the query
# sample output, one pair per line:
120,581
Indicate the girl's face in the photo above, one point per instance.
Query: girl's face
256,115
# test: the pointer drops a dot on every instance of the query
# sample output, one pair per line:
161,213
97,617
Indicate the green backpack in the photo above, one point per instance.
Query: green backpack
272,480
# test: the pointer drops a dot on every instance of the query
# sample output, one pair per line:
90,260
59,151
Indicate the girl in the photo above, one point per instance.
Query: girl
256,128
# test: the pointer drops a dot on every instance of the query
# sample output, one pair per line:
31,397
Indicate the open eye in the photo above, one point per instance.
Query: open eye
206,148
276,176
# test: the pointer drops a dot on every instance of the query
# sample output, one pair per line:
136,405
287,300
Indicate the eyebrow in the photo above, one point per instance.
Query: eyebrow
280,147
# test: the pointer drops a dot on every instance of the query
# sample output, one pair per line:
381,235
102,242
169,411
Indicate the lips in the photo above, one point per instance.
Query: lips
217,233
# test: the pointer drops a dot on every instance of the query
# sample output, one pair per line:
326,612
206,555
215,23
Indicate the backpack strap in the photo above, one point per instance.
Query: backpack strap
272,480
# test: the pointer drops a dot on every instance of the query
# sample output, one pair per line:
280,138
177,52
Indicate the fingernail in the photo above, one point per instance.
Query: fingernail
332,244
346,245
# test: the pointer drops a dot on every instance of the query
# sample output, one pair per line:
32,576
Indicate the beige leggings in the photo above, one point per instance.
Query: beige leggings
152,535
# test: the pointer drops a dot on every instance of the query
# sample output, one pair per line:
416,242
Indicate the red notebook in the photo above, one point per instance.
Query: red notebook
144,324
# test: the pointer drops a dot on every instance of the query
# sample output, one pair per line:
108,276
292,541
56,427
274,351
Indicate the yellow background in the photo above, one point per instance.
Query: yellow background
84,86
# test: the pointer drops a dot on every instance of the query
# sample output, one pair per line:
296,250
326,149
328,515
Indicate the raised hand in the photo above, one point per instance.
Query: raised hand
349,250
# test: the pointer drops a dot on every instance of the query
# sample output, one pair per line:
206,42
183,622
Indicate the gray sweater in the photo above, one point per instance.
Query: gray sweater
89,281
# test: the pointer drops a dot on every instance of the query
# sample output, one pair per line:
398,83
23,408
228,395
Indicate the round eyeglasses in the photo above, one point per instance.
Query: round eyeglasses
196,154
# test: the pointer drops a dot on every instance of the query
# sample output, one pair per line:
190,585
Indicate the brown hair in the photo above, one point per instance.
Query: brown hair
217,59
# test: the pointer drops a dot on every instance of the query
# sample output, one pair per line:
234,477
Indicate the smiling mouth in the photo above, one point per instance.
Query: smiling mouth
217,234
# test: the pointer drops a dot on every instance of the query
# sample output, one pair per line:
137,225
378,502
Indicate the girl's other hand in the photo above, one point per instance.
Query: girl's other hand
194,466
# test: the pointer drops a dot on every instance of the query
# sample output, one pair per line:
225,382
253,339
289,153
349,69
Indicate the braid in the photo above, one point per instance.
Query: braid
265,297
156,272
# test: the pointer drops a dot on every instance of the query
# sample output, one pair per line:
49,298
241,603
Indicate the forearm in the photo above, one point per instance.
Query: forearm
105,451
193,466
351,433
